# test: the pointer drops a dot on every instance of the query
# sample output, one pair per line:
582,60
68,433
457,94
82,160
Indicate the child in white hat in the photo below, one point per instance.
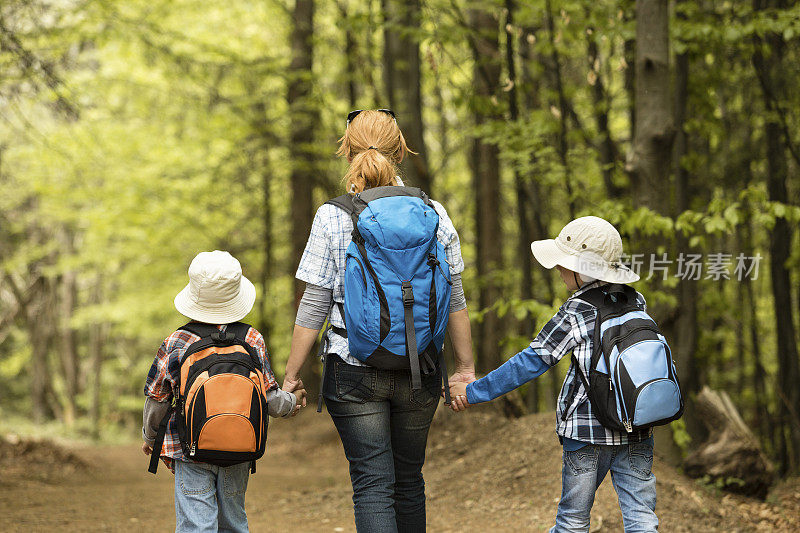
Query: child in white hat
208,497
587,254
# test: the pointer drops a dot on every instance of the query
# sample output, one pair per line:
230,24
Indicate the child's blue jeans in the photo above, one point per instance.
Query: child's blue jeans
210,498
631,473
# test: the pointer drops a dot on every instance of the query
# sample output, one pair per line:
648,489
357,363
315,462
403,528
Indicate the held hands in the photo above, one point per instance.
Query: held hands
296,387
458,389
458,396
300,394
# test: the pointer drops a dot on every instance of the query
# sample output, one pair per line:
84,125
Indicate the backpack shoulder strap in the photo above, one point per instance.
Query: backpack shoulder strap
155,454
343,202
347,204
614,294
595,297
210,335
387,191
200,329
204,331
239,330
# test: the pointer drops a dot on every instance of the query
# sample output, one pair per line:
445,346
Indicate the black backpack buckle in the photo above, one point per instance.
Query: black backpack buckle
222,336
408,294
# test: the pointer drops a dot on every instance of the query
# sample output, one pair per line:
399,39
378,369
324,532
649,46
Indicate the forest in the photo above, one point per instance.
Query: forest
135,134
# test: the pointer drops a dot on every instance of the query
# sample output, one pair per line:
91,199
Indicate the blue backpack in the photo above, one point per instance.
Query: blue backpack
397,281
641,390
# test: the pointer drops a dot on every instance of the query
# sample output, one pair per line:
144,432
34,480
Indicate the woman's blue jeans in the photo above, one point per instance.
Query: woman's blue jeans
383,425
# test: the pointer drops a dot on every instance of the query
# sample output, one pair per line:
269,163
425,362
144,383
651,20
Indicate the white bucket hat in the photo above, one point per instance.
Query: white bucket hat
217,292
589,246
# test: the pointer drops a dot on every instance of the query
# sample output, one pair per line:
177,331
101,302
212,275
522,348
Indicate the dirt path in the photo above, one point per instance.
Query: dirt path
483,474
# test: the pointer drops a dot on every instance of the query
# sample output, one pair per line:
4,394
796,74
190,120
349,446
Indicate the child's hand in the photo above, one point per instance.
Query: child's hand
147,449
458,396
300,394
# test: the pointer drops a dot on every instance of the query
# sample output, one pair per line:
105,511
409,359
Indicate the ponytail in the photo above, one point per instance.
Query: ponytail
368,169
374,146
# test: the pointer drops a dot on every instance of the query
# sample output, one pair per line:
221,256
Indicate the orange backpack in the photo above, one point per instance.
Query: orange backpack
221,404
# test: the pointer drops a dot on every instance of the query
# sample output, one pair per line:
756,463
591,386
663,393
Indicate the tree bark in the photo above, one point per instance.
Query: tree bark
654,130
629,53
686,326
265,139
31,304
537,209
608,151
68,347
485,166
523,204
302,109
759,373
769,65
403,84
563,147
97,335
350,54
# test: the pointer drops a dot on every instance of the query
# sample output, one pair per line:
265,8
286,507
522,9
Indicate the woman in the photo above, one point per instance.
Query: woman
382,422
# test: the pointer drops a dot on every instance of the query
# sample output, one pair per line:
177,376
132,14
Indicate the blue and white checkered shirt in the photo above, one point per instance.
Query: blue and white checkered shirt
571,330
323,261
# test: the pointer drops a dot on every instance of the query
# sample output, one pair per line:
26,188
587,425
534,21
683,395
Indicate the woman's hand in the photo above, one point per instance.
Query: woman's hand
295,385
300,394
463,376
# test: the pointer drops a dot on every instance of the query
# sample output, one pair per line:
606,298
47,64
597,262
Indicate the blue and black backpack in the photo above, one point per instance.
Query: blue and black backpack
397,282
632,382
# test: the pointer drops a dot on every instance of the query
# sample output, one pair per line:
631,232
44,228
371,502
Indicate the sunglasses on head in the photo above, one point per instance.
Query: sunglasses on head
353,114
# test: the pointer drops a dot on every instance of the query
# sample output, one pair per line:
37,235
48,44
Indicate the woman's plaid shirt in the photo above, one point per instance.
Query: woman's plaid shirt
161,384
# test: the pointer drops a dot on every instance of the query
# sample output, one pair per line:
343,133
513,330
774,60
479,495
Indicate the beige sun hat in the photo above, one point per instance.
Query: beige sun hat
217,292
589,246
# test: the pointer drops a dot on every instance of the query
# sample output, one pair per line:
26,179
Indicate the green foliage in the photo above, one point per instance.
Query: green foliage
146,131
680,436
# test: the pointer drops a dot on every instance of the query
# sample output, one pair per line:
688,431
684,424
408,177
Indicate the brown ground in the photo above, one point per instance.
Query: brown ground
484,473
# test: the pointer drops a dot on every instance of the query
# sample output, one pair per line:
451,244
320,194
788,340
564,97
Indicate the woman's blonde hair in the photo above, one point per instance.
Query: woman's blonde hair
374,146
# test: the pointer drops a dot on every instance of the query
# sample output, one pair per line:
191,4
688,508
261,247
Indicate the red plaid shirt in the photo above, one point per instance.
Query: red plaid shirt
162,379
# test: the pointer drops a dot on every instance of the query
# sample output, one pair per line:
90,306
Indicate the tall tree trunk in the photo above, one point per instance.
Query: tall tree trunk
485,166
523,205
40,333
31,305
304,112
350,55
686,324
770,67
97,334
609,153
301,147
264,140
403,83
537,204
267,301
654,131
563,147
68,346
759,373
780,251
629,54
